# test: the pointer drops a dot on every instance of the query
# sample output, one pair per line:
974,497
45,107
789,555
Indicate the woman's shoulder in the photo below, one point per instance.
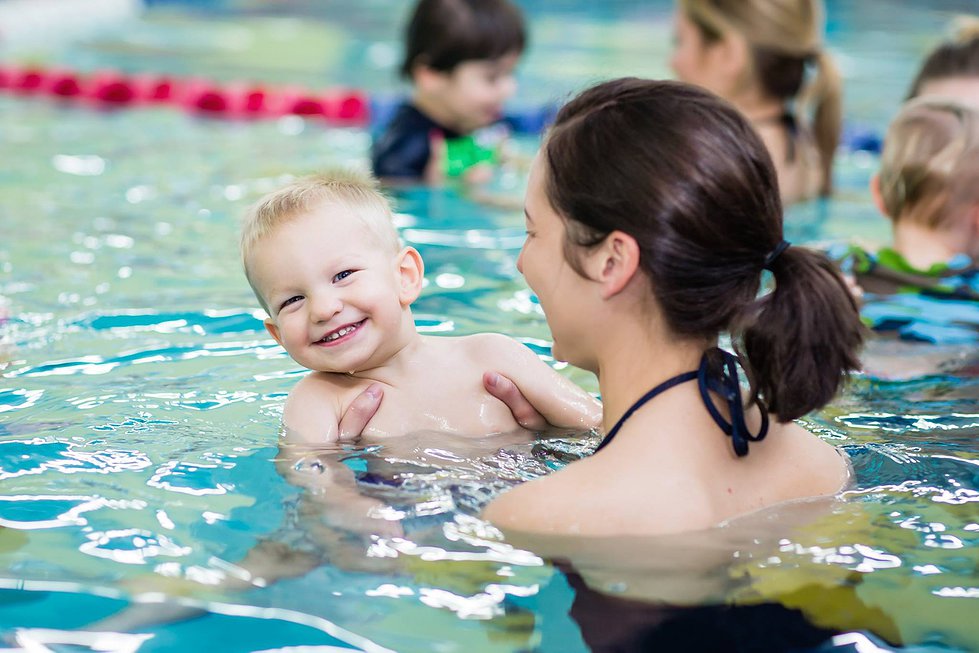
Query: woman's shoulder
802,464
557,503
592,497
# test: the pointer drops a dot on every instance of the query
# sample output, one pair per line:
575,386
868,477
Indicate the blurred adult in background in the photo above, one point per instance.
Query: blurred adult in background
952,68
767,58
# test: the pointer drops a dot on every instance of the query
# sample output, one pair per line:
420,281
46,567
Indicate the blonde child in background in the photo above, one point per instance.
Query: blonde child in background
924,286
460,57
756,54
324,261
928,187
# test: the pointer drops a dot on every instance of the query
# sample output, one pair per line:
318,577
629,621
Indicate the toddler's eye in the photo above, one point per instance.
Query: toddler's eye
342,275
291,300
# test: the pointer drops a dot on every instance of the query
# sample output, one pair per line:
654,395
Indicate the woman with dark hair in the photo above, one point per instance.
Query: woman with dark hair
652,209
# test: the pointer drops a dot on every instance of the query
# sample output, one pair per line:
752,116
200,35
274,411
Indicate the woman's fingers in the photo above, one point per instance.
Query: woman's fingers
507,391
360,412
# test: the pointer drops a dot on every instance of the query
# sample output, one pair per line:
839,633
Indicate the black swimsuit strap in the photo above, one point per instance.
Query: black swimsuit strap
787,121
662,387
725,384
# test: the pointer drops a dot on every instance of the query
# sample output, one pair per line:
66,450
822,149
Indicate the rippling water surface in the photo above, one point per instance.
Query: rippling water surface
140,396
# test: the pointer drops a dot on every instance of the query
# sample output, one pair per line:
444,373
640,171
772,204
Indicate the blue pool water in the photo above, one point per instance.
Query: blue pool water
140,397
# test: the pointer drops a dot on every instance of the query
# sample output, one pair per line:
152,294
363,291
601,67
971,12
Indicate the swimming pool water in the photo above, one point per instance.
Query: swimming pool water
140,396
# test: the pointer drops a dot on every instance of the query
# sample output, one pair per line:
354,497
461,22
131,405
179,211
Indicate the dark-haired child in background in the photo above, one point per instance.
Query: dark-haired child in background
460,57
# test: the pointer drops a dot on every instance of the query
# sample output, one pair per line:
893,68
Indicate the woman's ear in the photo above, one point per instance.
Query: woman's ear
614,263
411,274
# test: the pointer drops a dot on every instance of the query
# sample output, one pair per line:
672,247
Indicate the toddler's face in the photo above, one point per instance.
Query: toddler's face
475,91
333,291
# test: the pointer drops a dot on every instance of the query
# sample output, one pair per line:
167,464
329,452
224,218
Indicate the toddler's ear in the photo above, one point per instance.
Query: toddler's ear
273,329
877,196
411,274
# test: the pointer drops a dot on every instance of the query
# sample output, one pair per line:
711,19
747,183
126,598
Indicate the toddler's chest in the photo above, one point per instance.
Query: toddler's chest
452,408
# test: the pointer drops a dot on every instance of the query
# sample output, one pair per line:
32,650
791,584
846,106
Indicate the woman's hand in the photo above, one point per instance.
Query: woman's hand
359,413
507,391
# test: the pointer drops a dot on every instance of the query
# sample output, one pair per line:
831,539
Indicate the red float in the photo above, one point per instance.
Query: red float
205,97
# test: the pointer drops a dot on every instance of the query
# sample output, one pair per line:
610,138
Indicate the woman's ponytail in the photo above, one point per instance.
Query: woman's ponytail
825,96
803,338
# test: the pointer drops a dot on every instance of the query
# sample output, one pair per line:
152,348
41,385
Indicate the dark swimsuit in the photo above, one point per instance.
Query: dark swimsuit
723,381
786,120
403,149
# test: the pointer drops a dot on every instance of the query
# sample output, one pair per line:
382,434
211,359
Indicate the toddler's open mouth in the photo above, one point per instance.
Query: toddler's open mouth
342,333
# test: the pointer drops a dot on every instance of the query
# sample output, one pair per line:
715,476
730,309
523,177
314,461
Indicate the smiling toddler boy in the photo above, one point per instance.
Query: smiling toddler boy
324,261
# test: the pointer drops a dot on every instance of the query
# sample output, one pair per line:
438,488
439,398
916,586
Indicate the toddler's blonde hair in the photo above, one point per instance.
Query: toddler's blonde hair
929,168
356,193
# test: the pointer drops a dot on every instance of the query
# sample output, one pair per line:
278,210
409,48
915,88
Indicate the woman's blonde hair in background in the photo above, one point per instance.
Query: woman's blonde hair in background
784,36
929,168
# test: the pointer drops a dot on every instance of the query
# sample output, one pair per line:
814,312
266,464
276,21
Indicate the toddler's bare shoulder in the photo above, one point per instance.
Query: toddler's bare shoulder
494,345
326,386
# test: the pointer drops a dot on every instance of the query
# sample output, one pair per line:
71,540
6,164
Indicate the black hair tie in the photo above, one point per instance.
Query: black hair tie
726,384
774,254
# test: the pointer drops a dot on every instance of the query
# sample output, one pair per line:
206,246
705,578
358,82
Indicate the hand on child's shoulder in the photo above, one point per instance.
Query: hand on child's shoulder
532,389
314,407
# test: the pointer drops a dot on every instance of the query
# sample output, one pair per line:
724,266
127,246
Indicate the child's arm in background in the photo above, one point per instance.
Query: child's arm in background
540,391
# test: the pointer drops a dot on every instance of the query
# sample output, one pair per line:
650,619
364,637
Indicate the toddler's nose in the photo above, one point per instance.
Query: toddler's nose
323,308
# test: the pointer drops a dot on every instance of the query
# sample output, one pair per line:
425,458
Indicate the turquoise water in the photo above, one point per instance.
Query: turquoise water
140,396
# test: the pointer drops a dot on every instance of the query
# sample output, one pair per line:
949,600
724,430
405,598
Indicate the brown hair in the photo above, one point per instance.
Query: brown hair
958,57
928,167
785,37
681,171
443,33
